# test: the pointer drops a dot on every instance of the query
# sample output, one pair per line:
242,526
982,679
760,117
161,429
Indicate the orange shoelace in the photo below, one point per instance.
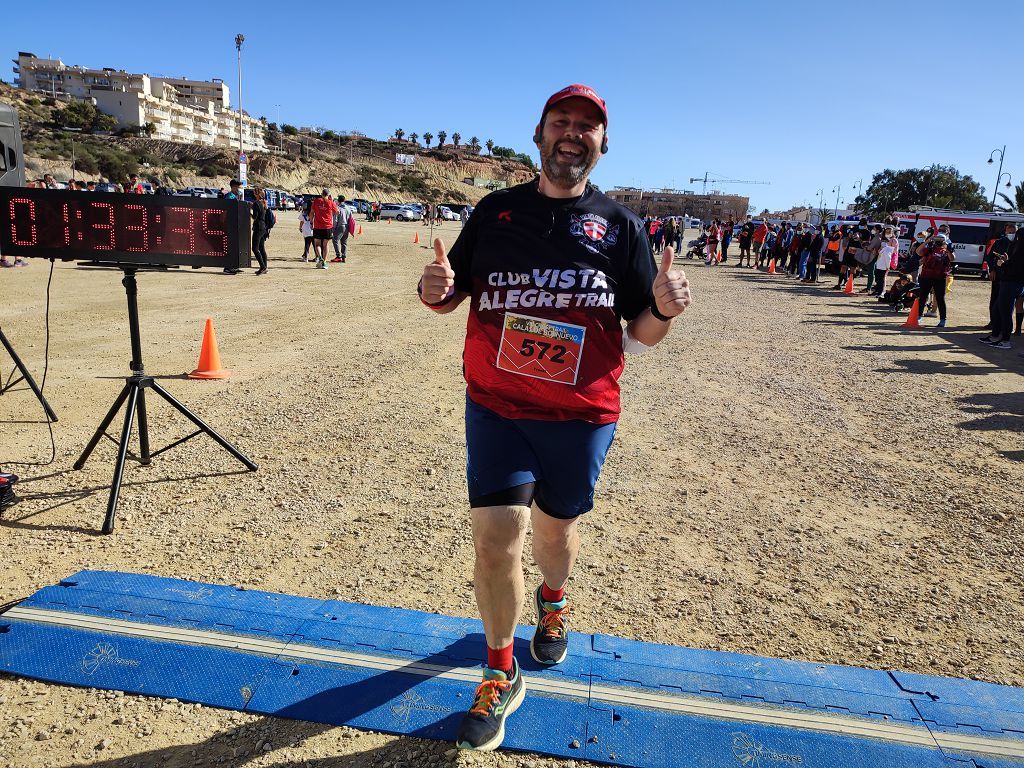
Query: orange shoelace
554,622
488,693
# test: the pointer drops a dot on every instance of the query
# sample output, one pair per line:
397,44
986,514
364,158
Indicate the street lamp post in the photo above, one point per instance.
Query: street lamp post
859,184
999,176
239,39
835,213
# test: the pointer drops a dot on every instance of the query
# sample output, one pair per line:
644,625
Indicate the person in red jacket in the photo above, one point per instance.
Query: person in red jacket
324,209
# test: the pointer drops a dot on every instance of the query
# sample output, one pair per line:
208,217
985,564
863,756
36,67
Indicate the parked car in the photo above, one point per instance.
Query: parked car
287,203
396,211
360,204
447,213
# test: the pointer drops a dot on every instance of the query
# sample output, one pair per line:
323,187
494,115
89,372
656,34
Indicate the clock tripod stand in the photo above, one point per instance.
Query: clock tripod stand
19,367
134,392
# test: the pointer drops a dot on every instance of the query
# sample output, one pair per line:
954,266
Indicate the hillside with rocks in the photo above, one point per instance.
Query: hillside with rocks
352,166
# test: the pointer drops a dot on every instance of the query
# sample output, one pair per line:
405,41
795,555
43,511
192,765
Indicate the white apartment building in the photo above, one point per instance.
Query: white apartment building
190,111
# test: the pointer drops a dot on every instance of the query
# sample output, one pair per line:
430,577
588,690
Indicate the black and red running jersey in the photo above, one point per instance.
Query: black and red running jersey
550,281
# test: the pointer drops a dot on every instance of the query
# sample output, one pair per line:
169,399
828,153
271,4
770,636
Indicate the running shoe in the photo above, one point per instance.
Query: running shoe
988,339
497,697
1001,345
337,260
550,643
941,324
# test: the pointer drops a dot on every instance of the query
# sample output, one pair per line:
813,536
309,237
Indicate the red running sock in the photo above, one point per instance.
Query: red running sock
500,658
549,595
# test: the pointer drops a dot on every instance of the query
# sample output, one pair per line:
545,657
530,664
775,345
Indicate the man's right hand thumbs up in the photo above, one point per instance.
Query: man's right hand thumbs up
438,280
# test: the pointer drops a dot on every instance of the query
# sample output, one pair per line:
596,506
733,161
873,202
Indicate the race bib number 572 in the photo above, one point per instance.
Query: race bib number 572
541,349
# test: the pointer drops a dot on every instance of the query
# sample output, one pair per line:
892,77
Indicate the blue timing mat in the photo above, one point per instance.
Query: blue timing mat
405,672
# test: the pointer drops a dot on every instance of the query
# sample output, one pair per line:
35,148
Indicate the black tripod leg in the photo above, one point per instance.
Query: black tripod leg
27,377
204,427
102,427
122,453
143,428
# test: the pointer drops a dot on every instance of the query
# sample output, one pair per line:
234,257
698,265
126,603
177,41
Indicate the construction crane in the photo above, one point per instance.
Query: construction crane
704,190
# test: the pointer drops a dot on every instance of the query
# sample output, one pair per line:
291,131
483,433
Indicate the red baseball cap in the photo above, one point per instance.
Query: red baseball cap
581,91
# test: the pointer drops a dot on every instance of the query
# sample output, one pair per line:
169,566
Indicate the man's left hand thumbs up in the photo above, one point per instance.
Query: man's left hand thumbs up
671,288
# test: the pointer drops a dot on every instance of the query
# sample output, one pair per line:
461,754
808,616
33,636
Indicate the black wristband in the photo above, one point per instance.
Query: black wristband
441,303
658,315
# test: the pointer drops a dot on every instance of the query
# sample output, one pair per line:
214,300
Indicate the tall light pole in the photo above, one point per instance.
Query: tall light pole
1002,154
859,184
280,133
239,39
835,213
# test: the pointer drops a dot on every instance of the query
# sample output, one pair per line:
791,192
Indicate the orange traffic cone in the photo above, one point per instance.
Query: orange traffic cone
849,283
915,312
360,230
416,238
209,357
771,267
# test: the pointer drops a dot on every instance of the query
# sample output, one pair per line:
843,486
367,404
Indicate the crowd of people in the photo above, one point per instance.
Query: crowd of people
859,250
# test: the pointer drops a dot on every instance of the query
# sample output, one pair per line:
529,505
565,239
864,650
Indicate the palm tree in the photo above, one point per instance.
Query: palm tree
413,137
399,134
490,145
456,138
441,136
474,144
427,138
1016,204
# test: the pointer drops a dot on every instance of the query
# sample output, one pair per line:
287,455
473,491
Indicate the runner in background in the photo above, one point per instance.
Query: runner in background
550,268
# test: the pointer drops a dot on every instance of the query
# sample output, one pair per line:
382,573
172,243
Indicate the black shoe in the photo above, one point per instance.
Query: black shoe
497,697
261,271
232,271
550,643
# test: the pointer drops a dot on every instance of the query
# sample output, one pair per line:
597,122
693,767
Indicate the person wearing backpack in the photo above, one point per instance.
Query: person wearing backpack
260,230
340,233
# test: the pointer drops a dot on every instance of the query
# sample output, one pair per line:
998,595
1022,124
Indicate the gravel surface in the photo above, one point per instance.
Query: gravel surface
793,476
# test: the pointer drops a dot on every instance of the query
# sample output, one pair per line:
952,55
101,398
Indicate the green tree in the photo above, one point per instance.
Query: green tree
329,135
399,133
456,138
427,138
441,136
938,185
103,122
505,152
414,138
149,129
490,145
474,144
77,114
290,130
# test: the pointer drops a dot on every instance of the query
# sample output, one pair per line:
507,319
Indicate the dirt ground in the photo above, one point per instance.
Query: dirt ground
793,476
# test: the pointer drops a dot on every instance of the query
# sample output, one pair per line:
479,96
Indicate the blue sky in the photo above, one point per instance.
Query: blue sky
803,95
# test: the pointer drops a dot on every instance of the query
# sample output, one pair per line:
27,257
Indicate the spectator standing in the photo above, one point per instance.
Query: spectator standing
746,239
870,257
936,264
135,186
260,230
339,235
757,242
1011,288
306,228
727,238
997,255
889,247
323,210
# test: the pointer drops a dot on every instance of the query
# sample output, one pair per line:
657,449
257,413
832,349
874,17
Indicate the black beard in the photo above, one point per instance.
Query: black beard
562,174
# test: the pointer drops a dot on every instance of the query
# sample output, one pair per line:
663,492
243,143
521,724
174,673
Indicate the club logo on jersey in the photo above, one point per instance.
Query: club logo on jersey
593,231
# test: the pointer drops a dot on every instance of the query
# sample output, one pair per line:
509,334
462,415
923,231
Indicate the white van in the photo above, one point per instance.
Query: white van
973,232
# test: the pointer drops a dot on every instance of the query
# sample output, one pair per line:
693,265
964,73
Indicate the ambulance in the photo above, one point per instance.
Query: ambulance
973,232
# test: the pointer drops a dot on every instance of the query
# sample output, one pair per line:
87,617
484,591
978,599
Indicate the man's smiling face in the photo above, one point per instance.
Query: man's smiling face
571,139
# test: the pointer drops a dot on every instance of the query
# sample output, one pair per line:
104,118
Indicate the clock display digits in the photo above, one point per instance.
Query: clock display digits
107,225
142,227
27,207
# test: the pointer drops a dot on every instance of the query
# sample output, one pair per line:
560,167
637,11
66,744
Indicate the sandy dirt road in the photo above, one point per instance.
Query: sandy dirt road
793,476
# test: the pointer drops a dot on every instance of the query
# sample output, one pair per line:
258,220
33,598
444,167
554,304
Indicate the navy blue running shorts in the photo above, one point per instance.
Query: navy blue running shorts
562,459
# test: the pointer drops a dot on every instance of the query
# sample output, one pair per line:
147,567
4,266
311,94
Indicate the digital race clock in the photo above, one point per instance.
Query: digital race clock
121,228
